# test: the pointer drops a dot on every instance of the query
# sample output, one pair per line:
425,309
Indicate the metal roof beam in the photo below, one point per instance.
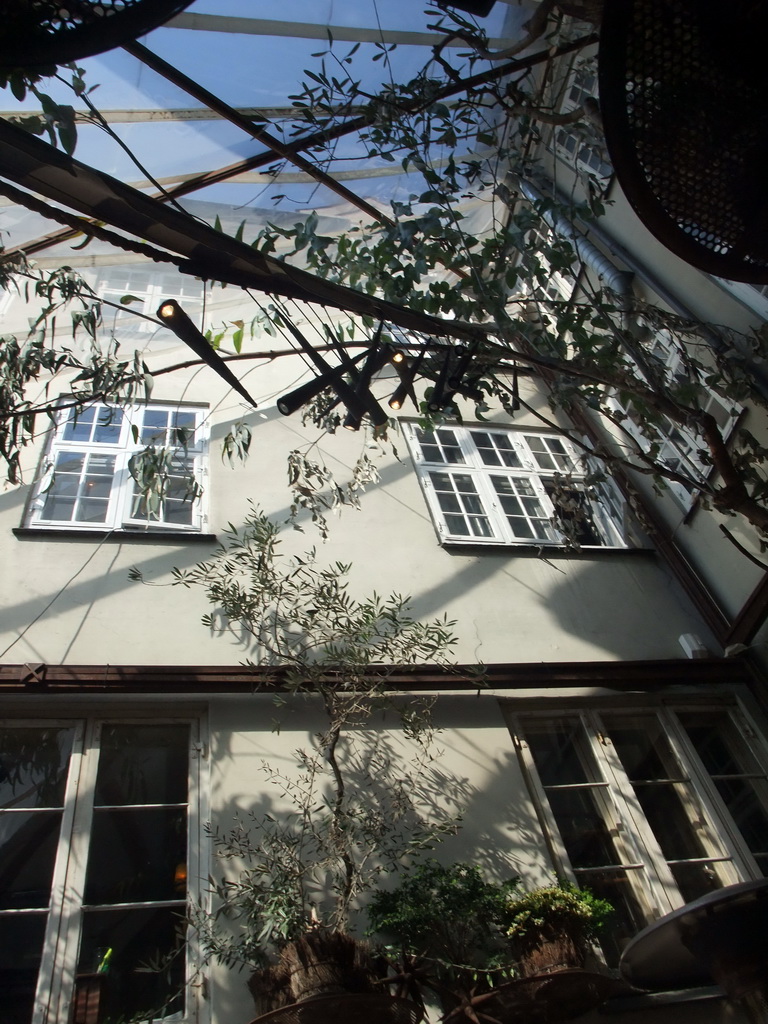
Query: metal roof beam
314,30
181,114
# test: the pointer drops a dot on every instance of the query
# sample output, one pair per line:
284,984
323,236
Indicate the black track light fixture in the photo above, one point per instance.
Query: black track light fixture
299,397
463,359
407,374
174,317
440,398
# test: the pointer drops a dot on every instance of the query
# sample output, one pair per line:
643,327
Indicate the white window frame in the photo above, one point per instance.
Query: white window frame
122,512
148,285
679,446
56,979
572,146
647,871
482,510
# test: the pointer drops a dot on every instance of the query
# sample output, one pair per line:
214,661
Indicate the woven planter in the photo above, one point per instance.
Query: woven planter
557,953
319,964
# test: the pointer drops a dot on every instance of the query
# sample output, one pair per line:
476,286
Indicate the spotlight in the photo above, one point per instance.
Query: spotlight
174,317
407,376
400,395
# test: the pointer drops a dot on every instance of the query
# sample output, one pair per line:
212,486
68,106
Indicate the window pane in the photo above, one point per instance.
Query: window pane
79,424
560,752
694,880
549,453
184,424
88,475
28,844
142,764
440,446
496,449
523,508
668,801
108,426
33,766
136,855
155,426
586,821
461,505
94,424
21,948
69,463
131,963
627,918
585,834
739,777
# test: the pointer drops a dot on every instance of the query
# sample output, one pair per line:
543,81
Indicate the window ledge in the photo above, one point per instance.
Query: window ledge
542,550
143,536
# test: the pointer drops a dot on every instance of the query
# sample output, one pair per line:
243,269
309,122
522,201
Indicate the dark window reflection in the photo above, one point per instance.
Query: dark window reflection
33,766
21,948
28,844
131,963
135,855
584,833
627,918
142,764
558,748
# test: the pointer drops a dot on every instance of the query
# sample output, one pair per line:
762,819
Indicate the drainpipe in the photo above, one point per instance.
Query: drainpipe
619,281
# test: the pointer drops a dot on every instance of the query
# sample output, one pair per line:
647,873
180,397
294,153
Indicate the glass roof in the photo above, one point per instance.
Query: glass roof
237,50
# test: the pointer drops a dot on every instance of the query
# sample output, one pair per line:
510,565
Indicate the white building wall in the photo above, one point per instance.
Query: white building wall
70,600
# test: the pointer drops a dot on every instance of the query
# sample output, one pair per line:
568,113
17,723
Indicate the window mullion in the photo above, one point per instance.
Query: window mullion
727,838
122,490
69,877
490,502
634,830
557,851
198,862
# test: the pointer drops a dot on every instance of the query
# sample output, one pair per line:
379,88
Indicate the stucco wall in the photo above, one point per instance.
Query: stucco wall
73,602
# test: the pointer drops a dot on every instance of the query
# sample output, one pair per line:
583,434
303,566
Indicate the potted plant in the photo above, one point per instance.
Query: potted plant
446,920
351,807
553,926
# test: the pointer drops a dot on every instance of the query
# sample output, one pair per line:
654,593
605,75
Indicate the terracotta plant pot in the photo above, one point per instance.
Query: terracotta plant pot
318,964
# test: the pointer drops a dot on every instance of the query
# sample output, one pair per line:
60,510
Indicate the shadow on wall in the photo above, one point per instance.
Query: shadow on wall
475,774
617,604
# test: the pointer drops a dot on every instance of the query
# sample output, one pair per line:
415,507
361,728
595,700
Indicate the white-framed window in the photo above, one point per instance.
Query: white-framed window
650,807
680,448
86,482
145,287
100,830
582,145
494,486
559,284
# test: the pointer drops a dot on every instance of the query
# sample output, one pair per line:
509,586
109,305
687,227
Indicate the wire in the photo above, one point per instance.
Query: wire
58,594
